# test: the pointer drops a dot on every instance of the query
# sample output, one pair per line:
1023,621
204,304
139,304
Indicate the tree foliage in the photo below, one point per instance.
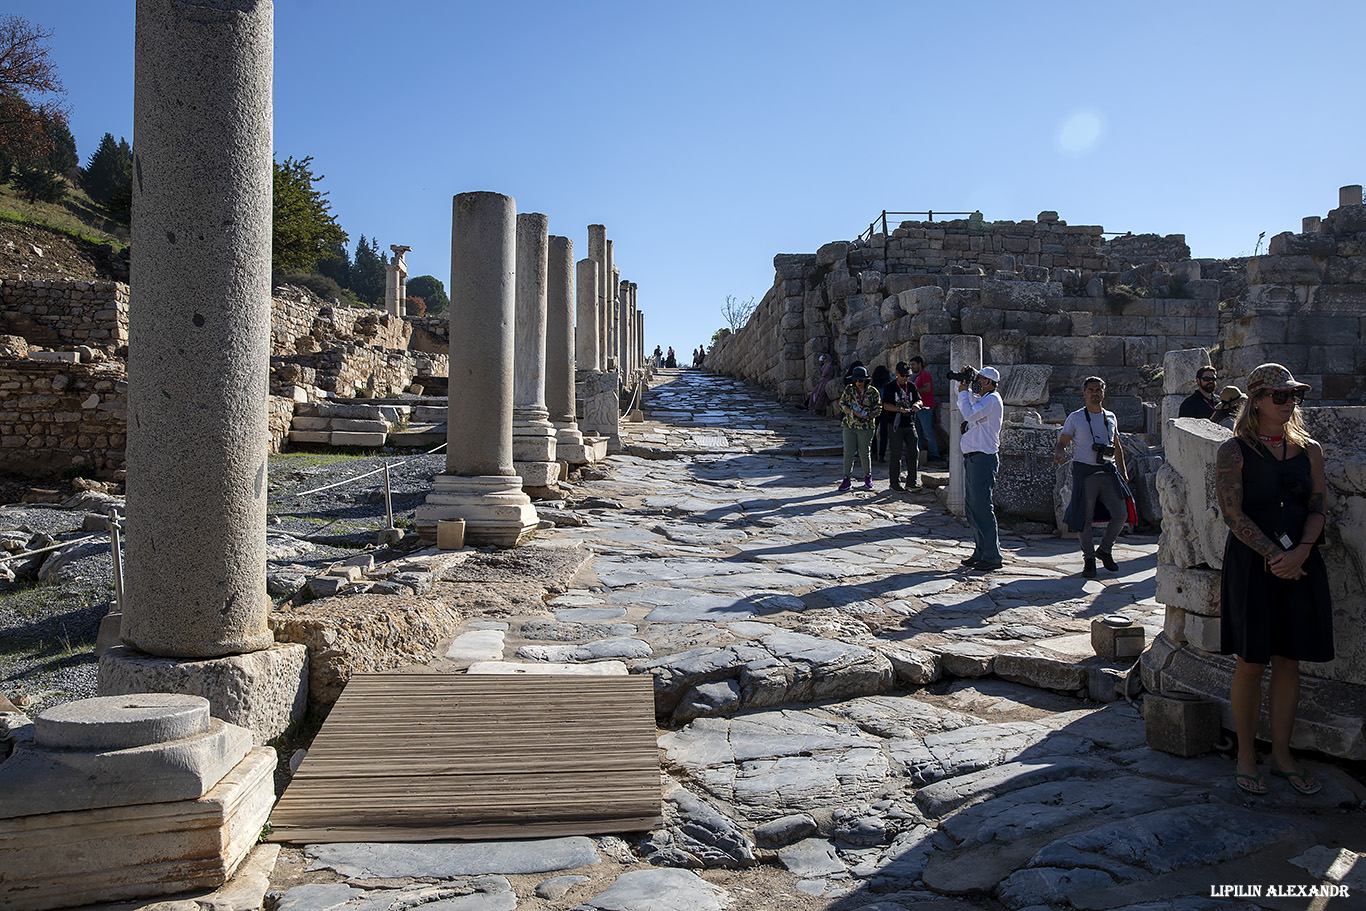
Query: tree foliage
39,184
109,172
737,312
304,229
32,98
367,271
432,292
335,263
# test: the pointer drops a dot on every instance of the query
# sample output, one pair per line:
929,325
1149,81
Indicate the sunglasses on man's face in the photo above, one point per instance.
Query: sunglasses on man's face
1281,396
1207,379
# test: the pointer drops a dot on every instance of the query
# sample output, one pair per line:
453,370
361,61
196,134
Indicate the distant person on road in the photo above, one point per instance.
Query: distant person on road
924,418
672,361
825,372
701,355
1098,473
901,402
1275,606
659,357
861,406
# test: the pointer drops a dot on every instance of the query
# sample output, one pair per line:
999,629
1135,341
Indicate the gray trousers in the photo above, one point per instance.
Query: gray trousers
1103,486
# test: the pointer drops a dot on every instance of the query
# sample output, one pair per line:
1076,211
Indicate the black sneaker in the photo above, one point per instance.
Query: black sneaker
1107,560
1088,569
970,562
985,567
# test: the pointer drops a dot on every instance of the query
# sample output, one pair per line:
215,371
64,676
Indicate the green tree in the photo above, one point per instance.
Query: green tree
304,228
335,263
109,170
38,183
432,292
367,272
31,94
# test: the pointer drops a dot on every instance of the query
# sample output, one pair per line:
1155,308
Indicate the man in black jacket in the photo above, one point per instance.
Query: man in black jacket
901,400
1201,403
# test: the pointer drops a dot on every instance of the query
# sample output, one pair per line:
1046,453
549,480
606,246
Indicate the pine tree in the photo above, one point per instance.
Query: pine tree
367,272
304,227
335,263
109,172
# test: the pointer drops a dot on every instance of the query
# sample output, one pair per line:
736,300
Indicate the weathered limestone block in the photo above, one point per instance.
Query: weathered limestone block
832,252
263,691
1179,369
1195,591
1191,445
1283,270
1092,351
357,633
1310,244
1041,297
1025,384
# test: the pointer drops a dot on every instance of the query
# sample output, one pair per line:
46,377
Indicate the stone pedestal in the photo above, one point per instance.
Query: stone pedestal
602,408
1180,723
264,692
963,350
533,436
479,484
199,331
128,797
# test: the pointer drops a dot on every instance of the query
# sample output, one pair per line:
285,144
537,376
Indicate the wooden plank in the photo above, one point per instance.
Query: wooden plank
421,757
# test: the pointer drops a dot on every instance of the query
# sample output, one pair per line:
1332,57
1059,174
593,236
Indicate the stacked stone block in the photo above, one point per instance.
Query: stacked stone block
1305,307
63,314
60,417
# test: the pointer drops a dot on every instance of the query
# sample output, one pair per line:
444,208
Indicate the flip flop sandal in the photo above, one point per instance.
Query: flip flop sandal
1300,781
1251,784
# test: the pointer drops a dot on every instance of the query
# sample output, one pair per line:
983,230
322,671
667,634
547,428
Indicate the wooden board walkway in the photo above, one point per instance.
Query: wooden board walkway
427,757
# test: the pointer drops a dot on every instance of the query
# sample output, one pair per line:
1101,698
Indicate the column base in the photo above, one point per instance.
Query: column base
573,447
533,441
537,474
264,692
494,508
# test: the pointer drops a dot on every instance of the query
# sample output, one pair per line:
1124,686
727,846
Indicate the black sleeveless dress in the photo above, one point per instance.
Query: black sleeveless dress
1260,614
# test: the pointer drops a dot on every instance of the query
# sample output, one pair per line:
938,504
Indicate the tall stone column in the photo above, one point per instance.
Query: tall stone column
533,436
199,331
396,282
640,340
637,346
963,349
586,340
610,303
480,485
559,352
198,370
597,252
624,321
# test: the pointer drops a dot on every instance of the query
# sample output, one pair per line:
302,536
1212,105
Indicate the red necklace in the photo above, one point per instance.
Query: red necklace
1266,439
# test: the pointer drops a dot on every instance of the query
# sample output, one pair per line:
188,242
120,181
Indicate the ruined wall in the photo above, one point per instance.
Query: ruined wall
1037,292
64,314
60,417
1305,307
298,315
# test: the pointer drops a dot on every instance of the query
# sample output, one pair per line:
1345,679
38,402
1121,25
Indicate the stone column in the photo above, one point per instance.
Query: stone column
963,349
480,485
198,370
533,436
597,252
559,352
624,322
640,340
586,340
199,331
610,303
637,346
393,300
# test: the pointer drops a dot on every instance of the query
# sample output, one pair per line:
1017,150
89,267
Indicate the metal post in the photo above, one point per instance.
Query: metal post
116,553
884,222
930,214
388,500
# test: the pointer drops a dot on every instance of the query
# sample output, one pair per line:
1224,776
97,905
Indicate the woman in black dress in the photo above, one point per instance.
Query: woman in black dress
1275,607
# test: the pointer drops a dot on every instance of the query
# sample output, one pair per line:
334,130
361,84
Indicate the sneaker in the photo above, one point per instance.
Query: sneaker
983,566
867,482
844,485
896,486
969,562
1088,569
1107,560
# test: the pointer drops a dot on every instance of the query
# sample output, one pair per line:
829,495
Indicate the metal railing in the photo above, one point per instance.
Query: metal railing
867,236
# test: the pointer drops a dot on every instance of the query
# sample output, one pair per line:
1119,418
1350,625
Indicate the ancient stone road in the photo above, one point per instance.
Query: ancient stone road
856,724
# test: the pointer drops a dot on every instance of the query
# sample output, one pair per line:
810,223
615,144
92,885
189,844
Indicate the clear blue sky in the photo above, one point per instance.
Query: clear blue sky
709,136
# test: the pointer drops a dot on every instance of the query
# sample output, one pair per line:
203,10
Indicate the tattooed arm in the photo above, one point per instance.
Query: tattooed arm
1228,483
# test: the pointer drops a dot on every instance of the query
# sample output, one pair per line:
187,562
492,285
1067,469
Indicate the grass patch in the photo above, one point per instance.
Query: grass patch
77,216
295,460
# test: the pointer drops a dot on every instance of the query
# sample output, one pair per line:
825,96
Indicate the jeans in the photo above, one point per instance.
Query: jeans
924,420
856,446
1102,485
904,446
981,470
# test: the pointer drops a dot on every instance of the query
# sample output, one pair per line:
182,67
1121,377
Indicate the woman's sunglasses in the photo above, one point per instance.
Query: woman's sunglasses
1281,396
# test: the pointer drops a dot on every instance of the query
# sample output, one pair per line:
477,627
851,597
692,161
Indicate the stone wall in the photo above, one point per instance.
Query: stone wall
1305,307
1036,292
62,417
1128,250
64,314
302,323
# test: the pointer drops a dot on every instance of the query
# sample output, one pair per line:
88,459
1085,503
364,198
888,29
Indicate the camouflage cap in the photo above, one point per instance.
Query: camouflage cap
1270,377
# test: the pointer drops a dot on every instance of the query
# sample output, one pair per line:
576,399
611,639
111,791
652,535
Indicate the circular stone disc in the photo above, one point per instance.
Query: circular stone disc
121,722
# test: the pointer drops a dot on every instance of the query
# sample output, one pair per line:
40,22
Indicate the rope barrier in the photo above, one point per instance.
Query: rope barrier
25,554
344,481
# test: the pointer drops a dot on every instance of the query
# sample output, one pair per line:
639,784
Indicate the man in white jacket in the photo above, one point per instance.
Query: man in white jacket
983,411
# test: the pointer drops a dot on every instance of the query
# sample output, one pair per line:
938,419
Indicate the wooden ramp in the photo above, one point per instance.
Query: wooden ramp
427,757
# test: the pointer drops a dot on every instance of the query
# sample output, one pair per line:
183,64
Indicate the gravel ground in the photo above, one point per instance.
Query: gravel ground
48,628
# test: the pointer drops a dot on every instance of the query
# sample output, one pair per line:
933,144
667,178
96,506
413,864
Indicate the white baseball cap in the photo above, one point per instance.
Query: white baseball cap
990,373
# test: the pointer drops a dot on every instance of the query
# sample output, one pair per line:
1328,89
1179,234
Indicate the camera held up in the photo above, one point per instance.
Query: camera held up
966,374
